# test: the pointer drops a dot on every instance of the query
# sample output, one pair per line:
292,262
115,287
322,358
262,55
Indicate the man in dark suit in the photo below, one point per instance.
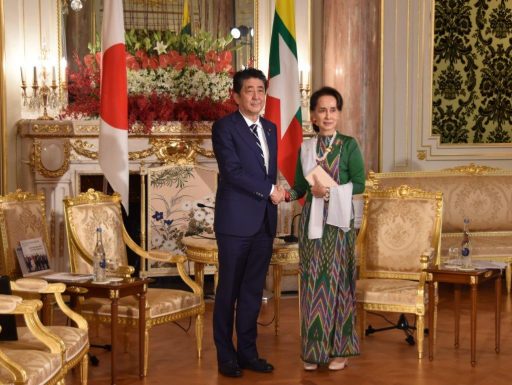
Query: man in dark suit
245,146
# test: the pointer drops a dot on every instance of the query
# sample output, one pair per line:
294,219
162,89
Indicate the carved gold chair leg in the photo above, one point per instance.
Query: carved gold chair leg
146,351
199,334
436,299
84,367
361,315
508,277
420,333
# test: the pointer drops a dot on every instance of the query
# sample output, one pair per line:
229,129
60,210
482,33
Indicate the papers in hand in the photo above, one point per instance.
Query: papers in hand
322,177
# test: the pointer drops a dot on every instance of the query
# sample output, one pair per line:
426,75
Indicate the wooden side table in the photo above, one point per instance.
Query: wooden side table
457,278
203,251
114,291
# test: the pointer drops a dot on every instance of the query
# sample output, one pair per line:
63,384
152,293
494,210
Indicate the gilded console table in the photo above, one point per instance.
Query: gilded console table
203,251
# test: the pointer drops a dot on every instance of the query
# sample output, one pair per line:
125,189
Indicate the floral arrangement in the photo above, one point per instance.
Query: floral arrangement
170,77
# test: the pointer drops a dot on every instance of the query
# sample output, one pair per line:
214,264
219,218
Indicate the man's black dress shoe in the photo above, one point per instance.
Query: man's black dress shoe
258,365
230,369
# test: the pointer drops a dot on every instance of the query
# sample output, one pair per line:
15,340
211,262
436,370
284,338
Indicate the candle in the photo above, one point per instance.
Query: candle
300,77
35,75
63,66
22,76
53,74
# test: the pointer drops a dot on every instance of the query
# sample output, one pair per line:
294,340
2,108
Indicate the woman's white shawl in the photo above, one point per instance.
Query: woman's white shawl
339,212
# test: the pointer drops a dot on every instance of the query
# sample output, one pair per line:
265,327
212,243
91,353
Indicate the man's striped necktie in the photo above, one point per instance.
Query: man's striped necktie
254,130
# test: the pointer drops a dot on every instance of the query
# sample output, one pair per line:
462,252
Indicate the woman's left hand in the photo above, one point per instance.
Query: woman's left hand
318,189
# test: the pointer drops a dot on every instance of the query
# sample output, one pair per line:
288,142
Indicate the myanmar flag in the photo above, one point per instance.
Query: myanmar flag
186,27
283,97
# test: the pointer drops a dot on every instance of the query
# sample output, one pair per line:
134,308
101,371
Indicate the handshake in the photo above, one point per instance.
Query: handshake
278,195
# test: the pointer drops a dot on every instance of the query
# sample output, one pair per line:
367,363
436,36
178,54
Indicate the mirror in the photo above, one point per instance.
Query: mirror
80,30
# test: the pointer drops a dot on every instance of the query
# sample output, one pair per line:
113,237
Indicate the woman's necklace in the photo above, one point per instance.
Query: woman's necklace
327,150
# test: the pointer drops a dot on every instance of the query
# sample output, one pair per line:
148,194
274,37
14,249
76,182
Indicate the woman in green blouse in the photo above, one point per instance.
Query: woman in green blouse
327,236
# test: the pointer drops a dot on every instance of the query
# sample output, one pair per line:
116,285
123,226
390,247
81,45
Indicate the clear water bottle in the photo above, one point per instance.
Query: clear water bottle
465,249
100,263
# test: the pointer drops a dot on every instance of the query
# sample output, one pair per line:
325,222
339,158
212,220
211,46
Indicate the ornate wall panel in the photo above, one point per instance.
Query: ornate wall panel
410,111
472,72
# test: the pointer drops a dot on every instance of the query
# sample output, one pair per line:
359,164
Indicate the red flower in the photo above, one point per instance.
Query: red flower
193,60
153,63
89,60
141,54
208,68
84,91
131,62
211,56
163,60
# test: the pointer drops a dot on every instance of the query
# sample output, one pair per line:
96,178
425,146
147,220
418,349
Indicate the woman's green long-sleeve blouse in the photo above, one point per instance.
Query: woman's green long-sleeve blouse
351,168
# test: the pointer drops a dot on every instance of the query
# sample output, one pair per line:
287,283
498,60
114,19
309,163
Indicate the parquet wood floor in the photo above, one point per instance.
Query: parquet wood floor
385,357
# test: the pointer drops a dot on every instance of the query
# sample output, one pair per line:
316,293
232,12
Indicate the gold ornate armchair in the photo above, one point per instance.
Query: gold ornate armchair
89,210
399,235
23,216
21,363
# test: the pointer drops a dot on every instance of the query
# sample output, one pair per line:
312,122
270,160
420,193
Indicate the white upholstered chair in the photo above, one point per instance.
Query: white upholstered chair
92,209
20,362
399,235
22,217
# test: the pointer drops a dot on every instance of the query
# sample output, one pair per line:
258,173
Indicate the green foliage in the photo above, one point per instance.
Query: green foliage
198,44
174,176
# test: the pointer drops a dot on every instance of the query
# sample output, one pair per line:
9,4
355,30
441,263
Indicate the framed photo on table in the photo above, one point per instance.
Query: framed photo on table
33,257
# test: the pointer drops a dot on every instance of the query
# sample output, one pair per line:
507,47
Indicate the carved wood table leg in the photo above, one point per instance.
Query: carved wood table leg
456,309
142,334
278,272
497,286
46,310
114,307
431,310
474,288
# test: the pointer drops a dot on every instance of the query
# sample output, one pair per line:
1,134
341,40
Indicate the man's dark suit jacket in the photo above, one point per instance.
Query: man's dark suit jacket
244,185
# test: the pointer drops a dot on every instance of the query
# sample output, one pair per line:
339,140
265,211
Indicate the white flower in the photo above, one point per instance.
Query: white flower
209,219
169,245
199,215
157,240
187,83
160,47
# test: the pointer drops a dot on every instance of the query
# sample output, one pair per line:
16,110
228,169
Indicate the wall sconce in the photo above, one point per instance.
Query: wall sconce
241,31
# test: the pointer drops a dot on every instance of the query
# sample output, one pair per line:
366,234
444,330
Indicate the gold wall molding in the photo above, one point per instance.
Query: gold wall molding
472,169
51,129
81,147
86,149
38,165
167,150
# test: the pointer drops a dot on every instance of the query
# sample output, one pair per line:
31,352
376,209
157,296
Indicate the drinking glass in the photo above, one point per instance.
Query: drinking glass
455,257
